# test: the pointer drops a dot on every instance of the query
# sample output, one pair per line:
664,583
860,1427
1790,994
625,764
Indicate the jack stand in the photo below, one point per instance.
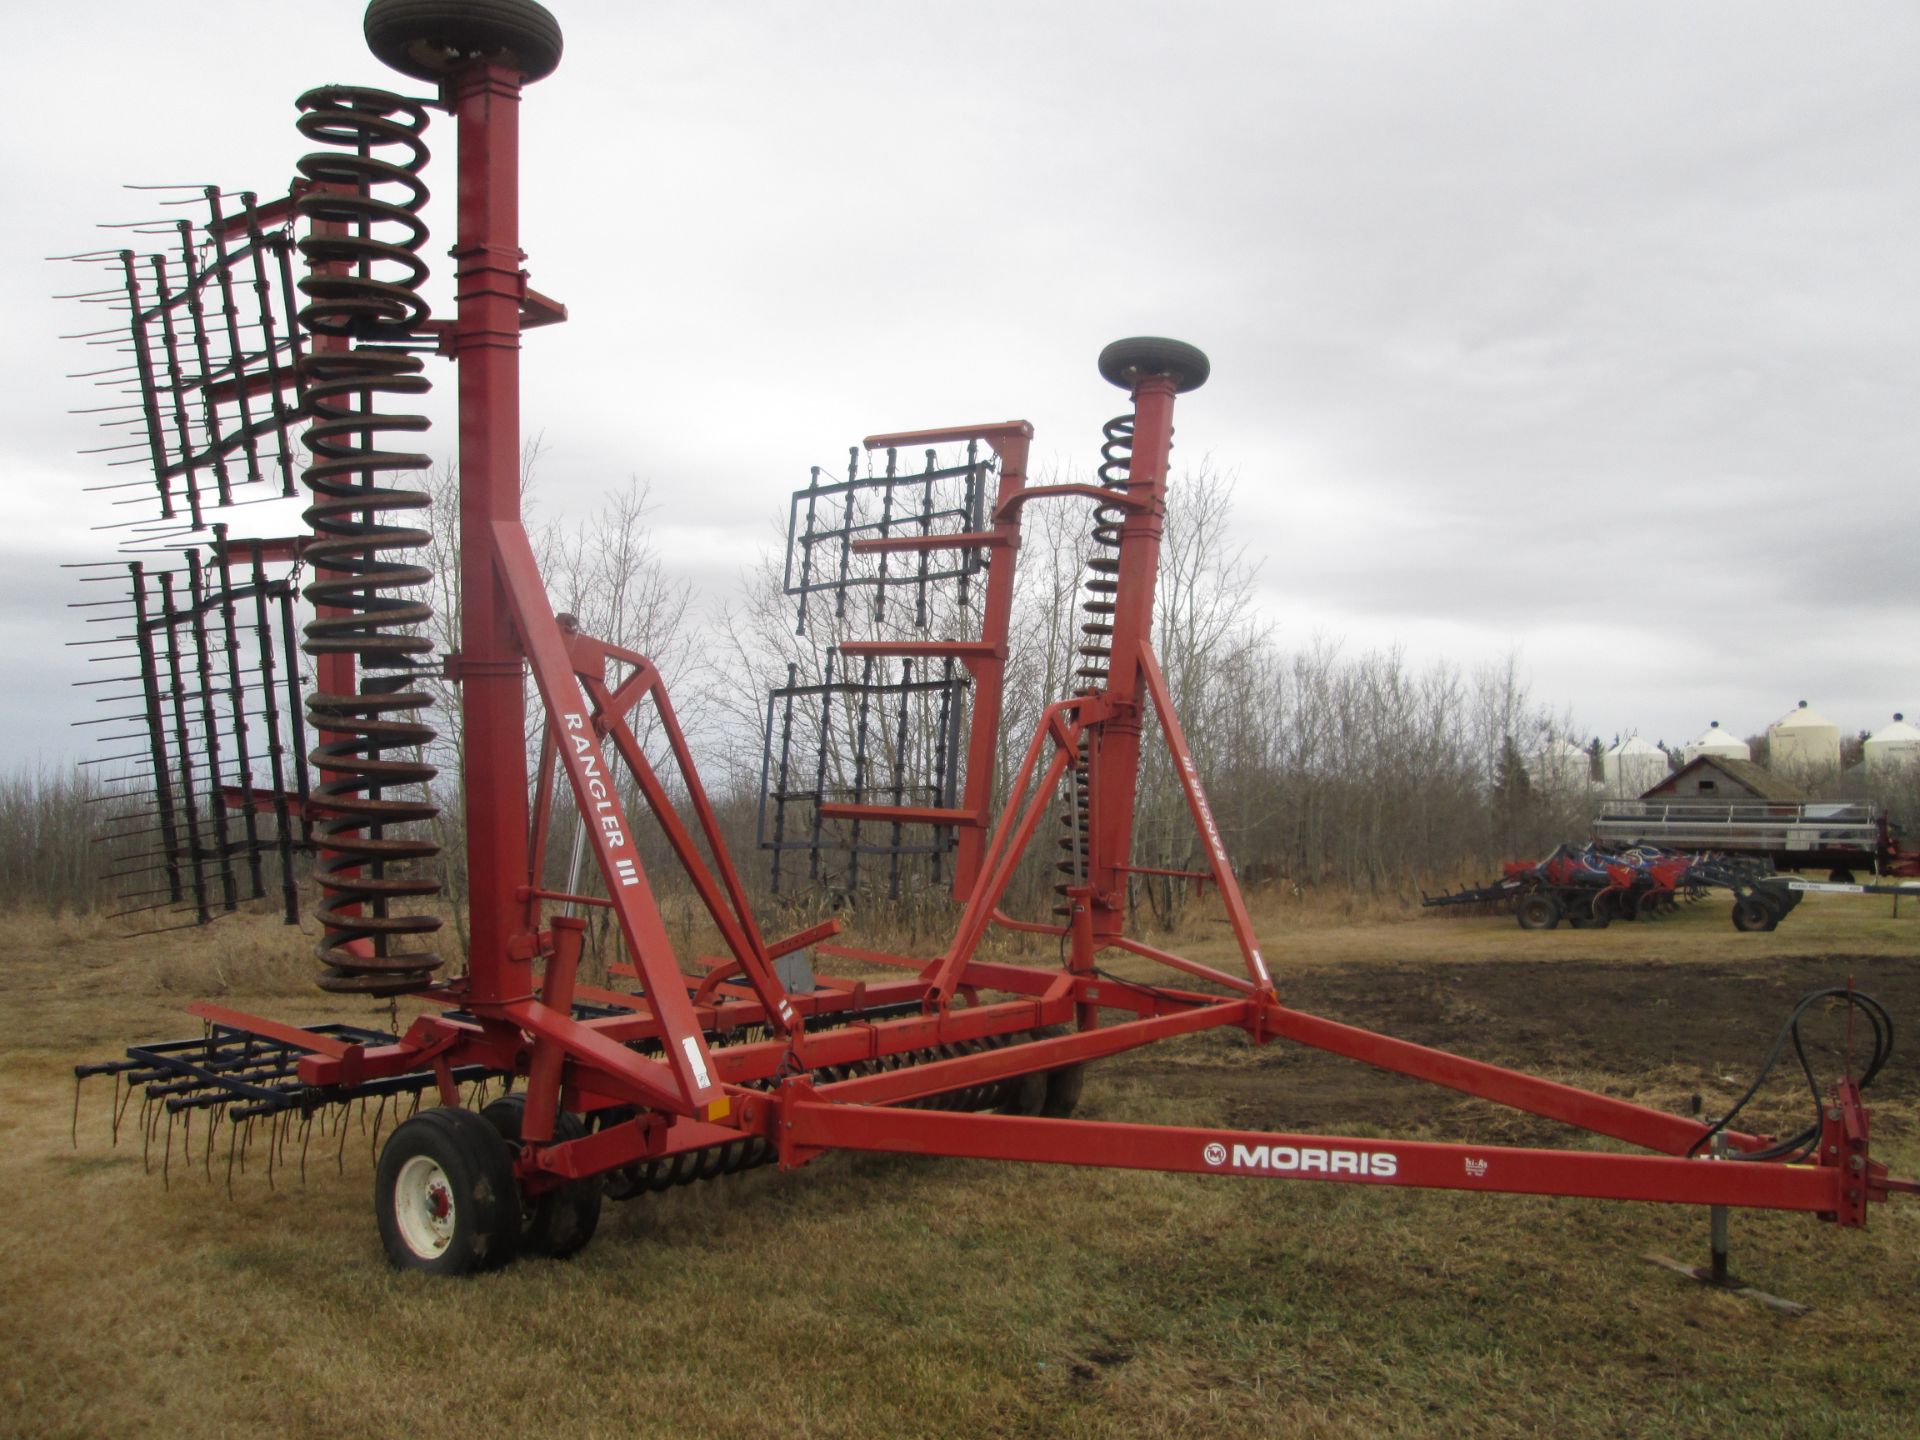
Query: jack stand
1715,1273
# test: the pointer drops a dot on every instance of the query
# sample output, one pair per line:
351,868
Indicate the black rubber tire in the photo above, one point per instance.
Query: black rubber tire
1029,1095
1063,1091
555,1223
1752,914
467,1156
430,39
1585,915
1840,875
1051,1093
1537,912
1127,362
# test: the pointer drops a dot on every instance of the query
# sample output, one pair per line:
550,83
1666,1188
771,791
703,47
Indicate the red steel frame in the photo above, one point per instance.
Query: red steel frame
985,658
518,994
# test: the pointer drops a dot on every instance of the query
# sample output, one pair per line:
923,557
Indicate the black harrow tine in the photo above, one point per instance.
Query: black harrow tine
236,709
820,769
970,503
812,493
210,409
846,533
276,757
926,528
278,374
296,711
886,529
189,802
766,760
210,734
899,776
176,386
222,269
149,390
863,714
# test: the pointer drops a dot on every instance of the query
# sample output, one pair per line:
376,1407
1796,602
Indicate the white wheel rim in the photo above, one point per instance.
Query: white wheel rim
423,1207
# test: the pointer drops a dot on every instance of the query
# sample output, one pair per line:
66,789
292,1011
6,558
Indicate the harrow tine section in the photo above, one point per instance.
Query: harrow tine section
207,400
218,826
250,1084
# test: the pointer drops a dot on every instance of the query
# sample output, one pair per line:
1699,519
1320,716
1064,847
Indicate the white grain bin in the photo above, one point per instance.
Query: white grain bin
1717,743
1632,767
1803,744
1893,747
1560,767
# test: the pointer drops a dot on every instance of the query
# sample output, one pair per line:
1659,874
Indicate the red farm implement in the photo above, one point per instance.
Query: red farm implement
1590,887
700,1068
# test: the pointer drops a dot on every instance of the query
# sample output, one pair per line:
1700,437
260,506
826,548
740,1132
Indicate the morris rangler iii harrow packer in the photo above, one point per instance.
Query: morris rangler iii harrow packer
300,320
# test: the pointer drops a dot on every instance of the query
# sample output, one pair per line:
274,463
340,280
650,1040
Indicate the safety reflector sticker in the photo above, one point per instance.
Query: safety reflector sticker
692,1047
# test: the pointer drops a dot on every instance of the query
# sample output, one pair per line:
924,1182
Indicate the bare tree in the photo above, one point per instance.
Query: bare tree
603,569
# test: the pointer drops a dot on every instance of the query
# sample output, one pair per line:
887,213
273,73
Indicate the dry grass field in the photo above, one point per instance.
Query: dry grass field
875,1296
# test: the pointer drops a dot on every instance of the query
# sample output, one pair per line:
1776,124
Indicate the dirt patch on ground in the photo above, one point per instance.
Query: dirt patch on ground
1654,1032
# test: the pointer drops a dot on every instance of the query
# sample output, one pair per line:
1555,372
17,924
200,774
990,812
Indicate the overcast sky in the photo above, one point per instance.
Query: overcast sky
1581,331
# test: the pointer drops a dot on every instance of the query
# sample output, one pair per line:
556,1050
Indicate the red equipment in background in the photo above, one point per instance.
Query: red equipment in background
704,1070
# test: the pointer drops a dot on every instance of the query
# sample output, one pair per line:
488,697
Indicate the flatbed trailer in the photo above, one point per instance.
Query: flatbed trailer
1836,836
1895,888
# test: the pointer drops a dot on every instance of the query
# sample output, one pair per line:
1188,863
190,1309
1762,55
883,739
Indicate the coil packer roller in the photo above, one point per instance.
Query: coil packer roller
695,1074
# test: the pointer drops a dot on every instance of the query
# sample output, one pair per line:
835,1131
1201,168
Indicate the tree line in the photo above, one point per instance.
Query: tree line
1325,767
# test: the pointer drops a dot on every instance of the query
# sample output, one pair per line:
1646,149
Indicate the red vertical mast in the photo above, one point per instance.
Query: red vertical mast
486,340
1155,371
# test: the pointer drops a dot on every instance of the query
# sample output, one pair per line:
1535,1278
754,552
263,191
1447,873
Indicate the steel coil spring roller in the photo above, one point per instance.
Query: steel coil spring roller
363,306
1095,649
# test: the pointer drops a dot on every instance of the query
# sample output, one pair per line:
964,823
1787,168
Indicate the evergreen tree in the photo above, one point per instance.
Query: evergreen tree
1512,794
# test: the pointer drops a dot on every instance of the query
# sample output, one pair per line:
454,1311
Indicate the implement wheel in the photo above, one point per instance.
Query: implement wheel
1027,1094
1053,1094
1063,1091
430,39
1751,914
1537,912
558,1222
1588,912
1127,362
1840,876
444,1195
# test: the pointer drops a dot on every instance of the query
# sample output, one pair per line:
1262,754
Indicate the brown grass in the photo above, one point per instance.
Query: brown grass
882,1296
